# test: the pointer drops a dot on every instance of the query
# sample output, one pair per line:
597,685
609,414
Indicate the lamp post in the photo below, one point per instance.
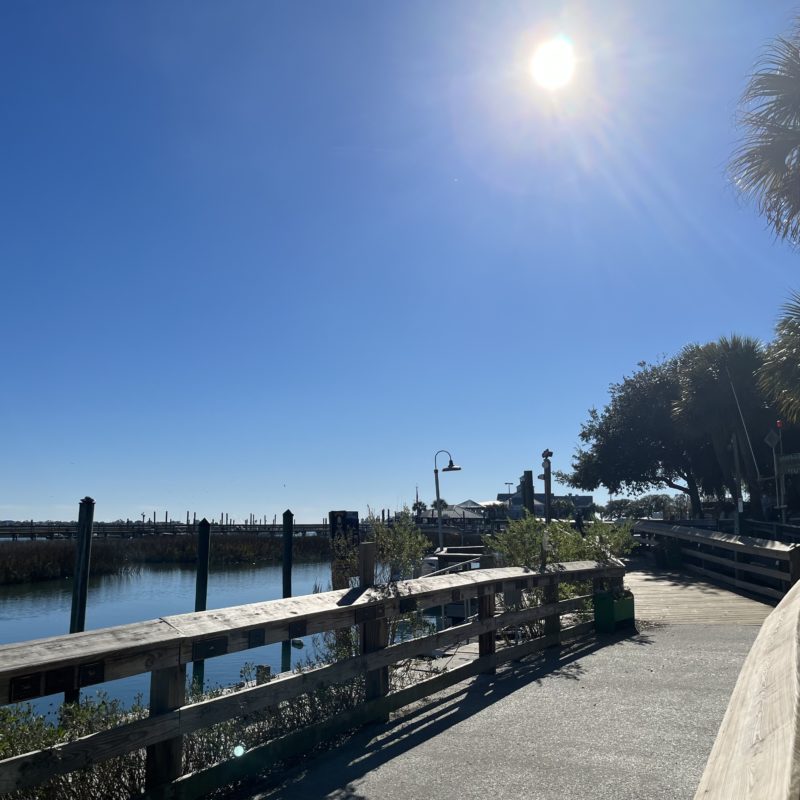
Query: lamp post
546,456
451,467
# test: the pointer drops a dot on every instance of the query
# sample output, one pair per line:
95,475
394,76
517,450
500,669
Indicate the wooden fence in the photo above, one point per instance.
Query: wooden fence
760,566
163,647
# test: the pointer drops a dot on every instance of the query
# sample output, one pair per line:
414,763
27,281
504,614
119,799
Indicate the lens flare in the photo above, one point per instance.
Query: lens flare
553,63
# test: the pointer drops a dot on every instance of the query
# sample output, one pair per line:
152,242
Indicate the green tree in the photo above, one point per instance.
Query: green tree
401,547
616,509
561,509
520,545
766,166
779,375
635,443
440,503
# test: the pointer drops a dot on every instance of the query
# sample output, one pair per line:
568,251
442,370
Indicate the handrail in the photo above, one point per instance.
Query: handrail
757,750
760,566
164,647
450,568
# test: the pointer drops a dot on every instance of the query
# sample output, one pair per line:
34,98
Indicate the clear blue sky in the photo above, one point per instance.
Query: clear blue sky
259,255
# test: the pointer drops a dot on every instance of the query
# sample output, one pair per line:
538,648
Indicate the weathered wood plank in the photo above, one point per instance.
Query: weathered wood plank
744,544
741,566
688,600
145,646
739,584
167,693
757,750
32,768
123,650
257,759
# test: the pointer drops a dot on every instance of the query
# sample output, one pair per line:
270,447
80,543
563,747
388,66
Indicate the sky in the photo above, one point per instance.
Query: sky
268,255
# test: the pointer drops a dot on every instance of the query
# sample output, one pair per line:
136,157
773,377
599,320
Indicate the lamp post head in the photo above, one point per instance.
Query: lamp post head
451,467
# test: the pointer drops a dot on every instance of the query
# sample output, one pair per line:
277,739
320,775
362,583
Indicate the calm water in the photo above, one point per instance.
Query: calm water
36,610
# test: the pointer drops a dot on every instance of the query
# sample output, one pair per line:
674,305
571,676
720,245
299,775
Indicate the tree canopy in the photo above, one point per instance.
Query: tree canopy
694,423
779,375
635,443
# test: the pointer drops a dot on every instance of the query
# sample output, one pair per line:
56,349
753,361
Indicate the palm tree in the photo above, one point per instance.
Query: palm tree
779,376
766,166
721,402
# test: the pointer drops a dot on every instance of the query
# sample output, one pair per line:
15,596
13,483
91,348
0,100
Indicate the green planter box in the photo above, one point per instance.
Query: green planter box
611,613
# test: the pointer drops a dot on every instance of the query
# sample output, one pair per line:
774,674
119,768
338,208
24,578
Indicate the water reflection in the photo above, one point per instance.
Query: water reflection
38,610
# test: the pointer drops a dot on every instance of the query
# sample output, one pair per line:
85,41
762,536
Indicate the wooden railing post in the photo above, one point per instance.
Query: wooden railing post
552,624
165,759
794,565
487,642
375,633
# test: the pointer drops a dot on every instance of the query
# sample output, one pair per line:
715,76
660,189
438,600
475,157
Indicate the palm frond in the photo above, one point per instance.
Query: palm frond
766,165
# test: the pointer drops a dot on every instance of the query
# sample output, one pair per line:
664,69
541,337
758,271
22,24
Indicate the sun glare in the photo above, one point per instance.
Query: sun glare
553,63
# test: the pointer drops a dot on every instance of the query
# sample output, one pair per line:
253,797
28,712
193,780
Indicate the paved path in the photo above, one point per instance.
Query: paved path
622,719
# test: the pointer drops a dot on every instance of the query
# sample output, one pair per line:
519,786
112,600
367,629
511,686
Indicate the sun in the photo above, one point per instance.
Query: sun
553,63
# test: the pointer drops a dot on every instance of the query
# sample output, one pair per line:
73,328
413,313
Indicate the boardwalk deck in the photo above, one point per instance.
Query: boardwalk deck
668,597
634,718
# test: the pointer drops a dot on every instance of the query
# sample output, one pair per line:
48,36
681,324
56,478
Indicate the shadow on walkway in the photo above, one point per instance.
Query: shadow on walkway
331,775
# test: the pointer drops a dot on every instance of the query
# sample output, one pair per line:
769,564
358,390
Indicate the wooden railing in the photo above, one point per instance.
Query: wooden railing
756,754
760,566
777,531
163,647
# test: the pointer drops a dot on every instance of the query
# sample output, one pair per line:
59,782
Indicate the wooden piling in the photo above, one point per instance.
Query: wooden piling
201,591
288,537
80,586
487,643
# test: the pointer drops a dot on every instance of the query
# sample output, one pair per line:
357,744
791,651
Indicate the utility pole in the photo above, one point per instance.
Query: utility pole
782,473
737,512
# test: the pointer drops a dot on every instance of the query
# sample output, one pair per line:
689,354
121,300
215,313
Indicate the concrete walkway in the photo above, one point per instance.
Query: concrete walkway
622,718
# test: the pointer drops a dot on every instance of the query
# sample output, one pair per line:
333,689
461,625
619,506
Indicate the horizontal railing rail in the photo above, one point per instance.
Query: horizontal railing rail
163,647
778,531
760,566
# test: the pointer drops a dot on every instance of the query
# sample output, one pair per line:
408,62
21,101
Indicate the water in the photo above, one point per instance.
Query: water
37,610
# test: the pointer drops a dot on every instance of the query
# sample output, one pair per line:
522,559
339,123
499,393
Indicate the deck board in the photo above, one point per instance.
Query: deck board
675,599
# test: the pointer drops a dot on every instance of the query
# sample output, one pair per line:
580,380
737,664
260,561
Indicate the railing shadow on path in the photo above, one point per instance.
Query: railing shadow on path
331,774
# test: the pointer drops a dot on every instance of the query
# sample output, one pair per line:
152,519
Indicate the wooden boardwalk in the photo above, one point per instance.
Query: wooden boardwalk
628,717
675,599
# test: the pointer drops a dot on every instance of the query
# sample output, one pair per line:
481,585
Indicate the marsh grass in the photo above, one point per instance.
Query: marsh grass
23,729
26,561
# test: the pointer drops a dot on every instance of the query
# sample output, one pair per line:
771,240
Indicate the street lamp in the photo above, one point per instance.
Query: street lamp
451,467
547,454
